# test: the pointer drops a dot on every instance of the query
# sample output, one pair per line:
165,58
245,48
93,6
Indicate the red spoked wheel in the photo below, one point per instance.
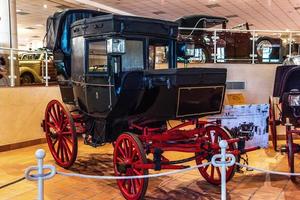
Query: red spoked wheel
272,123
210,173
127,152
290,148
60,134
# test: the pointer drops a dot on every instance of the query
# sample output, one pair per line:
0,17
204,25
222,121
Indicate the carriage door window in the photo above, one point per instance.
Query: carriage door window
97,57
133,59
158,54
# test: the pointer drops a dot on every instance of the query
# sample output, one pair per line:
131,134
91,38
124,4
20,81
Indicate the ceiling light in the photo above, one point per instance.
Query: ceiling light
39,25
45,6
215,5
159,12
22,13
18,10
63,7
231,16
30,28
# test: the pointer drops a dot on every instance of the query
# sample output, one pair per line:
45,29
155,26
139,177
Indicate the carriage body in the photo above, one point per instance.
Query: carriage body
285,109
122,83
131,86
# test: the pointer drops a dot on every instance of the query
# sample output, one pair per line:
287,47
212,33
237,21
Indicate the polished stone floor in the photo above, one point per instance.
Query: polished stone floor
98,161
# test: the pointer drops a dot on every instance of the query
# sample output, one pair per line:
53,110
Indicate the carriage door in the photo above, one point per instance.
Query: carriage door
98,80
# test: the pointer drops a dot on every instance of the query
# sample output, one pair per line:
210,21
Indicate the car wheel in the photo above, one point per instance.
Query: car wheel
26,79
262,44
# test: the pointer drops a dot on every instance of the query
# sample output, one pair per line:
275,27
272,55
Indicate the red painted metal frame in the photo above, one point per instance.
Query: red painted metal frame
169,140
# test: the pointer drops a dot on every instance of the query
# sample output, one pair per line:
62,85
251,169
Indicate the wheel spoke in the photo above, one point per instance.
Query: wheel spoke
137,183
137,172
64,124
133,186
65,152
67,147
134,153
52,125
129,186
67,133
62,151
53,118
125,148
129,149
120,160
55,115
212,171
68,140
58,147
54,143
205,168
121,151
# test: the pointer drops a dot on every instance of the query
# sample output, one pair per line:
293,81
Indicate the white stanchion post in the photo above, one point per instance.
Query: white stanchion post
219,160
40,155
12,75
46,69
223,145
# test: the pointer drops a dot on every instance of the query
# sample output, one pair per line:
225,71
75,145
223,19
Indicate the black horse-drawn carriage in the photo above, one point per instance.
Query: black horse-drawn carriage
117,93
285,109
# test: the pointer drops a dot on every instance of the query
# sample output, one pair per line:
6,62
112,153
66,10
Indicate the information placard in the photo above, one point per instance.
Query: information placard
246,120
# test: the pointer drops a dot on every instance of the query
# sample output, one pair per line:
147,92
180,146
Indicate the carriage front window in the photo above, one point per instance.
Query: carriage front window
158,54
97,57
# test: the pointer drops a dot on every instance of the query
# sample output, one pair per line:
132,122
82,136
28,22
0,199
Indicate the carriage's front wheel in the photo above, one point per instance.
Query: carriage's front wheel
60,134
210,173
129,151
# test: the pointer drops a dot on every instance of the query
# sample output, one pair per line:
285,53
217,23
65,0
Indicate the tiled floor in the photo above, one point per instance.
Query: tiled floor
247,185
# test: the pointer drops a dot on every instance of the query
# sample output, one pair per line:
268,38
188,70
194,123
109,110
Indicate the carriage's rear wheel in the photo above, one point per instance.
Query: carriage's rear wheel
127,152
272,123
290,147
60,134
210,173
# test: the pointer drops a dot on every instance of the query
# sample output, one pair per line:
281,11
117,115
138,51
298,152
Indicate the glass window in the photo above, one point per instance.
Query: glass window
97,57
158,55
133,59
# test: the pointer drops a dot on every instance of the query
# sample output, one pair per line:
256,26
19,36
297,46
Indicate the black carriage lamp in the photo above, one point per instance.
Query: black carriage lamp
115,46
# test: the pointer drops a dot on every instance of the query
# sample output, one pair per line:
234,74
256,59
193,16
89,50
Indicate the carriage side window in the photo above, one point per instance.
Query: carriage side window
158,54
133,59
97,57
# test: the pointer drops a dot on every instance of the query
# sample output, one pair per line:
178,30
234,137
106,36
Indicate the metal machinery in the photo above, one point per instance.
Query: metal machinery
285,109
118,93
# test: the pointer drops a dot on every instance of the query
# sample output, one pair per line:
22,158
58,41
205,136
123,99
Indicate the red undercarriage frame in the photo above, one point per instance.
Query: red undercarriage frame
197,141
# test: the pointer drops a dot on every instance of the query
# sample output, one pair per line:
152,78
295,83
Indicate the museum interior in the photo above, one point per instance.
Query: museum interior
152,99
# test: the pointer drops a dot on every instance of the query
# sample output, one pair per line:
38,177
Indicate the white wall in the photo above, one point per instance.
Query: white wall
22,111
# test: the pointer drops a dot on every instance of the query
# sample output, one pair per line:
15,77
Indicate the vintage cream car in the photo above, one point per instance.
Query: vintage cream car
32,68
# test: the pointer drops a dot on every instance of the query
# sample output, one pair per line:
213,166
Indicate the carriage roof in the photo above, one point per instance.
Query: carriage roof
112,24
286,78
58,27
